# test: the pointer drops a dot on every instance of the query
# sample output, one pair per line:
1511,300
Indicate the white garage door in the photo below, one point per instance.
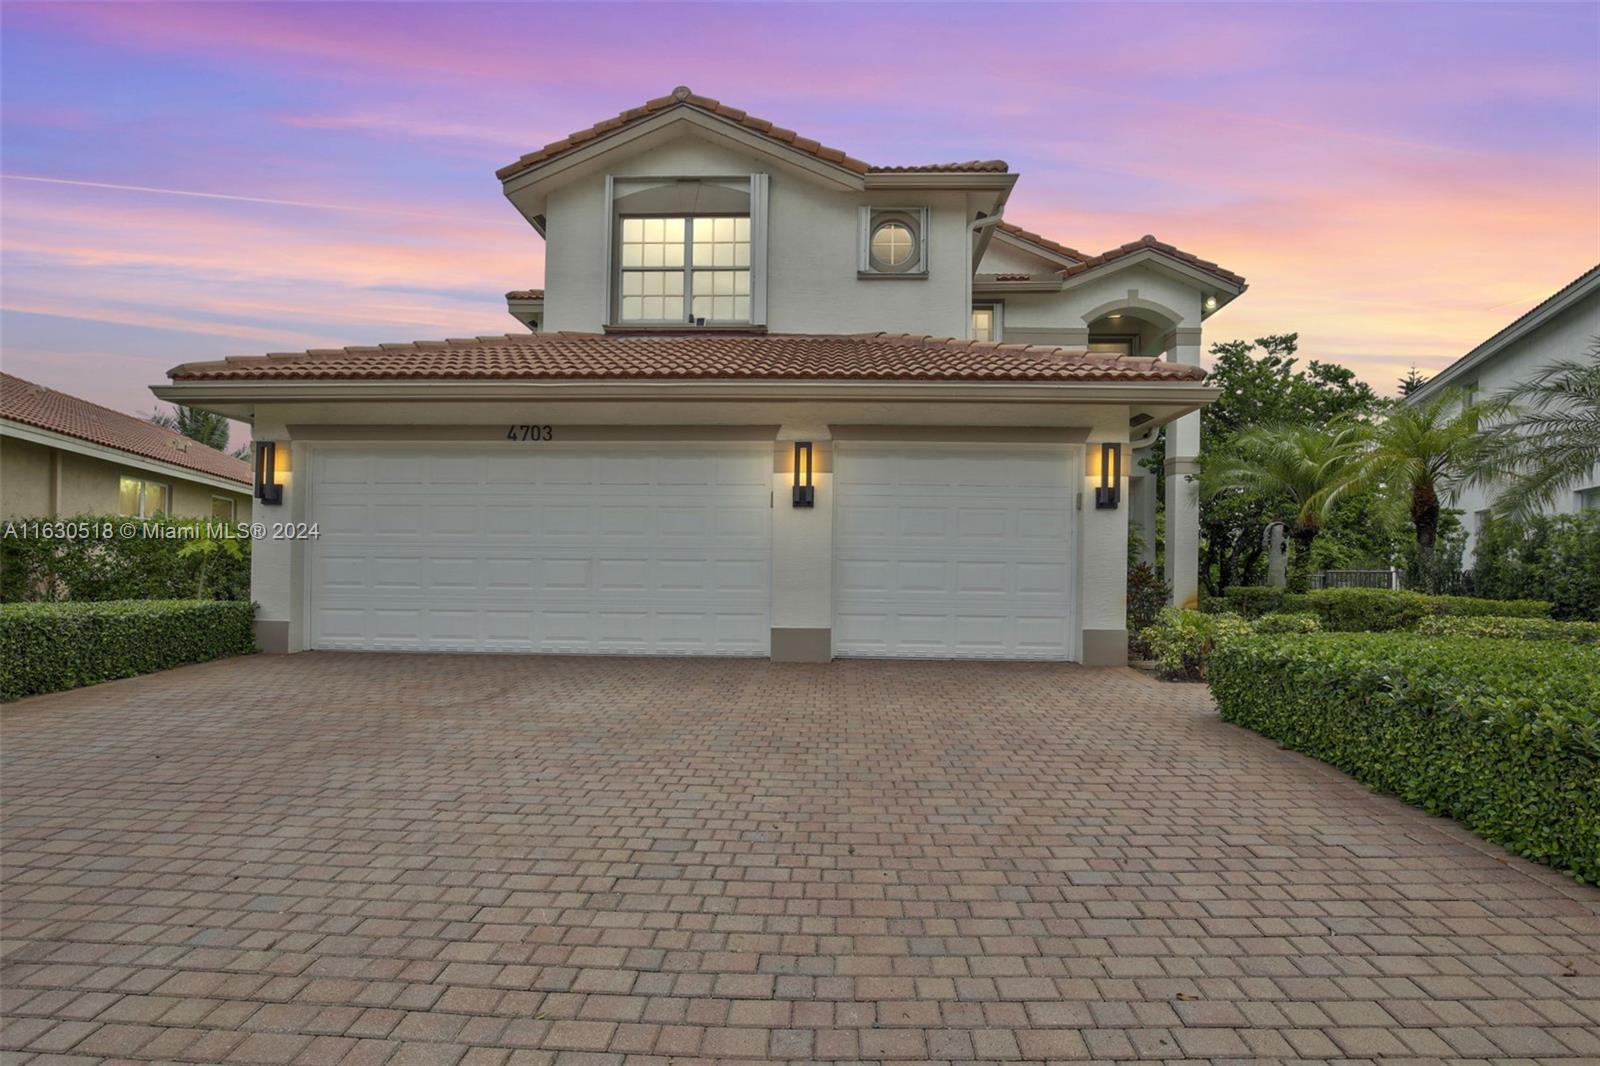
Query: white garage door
954,552
622,550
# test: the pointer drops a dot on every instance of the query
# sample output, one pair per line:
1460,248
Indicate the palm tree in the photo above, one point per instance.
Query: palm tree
1551,439
1419,454
204,426
1308,469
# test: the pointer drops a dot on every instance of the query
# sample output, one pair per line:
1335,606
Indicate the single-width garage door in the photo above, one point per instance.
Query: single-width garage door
614,549
954,552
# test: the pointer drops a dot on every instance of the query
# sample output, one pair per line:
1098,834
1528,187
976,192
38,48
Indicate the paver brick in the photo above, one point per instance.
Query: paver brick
344,860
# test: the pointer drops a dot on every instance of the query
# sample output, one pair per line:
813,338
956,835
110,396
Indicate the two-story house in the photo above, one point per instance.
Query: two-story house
774,401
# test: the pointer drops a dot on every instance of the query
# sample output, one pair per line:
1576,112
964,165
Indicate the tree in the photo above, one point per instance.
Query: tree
1421,453
1551,439
1302,470
1262,384
208,428
1411,382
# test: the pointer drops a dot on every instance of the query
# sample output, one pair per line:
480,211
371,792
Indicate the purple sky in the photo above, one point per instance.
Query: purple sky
193,181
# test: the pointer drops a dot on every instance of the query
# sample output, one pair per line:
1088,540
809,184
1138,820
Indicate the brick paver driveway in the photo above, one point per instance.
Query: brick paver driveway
364,859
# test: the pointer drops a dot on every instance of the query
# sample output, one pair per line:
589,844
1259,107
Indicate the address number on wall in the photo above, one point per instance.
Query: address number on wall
530,433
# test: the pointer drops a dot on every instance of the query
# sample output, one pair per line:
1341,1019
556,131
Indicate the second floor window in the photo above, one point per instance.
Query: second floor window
685,268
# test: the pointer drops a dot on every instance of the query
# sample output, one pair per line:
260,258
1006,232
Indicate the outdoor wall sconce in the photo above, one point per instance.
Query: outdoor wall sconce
1109,492
267,488
805,495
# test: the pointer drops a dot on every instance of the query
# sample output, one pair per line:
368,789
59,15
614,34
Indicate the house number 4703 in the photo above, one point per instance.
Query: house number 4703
530,433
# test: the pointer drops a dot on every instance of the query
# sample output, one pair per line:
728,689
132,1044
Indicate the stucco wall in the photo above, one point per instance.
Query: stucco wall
89,485
1569,335
813,242
1158,294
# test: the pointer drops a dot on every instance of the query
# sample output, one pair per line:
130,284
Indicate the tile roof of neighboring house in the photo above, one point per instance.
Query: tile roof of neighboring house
1043,242
873,356
525,294
1147,242
683,96
34,405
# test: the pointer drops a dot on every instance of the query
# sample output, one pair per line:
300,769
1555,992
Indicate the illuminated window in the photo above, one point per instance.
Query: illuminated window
138,498
684,269
1114,344
986,322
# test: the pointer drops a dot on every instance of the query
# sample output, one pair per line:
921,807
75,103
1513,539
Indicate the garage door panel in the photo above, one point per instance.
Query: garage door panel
953,553
527,552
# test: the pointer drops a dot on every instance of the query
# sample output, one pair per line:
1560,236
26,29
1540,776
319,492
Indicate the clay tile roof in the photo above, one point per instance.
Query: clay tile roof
970,166
34,405
525,294
1040,241
681,97
756,356
1012,277
1149,242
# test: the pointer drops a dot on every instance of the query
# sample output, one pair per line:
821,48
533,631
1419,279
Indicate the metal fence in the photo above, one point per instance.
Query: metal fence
1356,579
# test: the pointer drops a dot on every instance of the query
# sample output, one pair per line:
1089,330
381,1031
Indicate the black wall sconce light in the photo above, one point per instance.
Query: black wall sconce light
267,488
1109,492
805,495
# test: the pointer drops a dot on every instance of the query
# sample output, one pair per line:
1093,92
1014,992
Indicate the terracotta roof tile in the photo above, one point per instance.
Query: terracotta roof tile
680,97
1150,243
1040,241
1016,276
970,166
874,356
525,294
34,405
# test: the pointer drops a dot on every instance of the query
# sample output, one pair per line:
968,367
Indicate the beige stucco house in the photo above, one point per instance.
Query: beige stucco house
61,456
774,401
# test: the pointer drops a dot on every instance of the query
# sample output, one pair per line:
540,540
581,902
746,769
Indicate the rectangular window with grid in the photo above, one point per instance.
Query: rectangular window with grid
684,269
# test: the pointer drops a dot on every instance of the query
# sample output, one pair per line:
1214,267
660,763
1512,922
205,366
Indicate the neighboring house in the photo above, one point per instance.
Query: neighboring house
726,301
62,456
1566,326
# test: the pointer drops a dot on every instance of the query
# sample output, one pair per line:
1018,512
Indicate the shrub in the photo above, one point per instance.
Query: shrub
1147,595
1503,628
1503,736
1287,622
147,566
1183,640
45,647
1553,557
1253,601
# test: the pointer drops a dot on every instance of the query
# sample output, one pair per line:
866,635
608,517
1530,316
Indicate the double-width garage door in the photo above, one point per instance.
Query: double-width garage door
613,549
954,552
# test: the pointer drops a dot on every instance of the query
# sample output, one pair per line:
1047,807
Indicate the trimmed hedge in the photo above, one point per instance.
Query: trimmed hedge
1287,622
1508,629
46,647
1503,736
91,565
1372,610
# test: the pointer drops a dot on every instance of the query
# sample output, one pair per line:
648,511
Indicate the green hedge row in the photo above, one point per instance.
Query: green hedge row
1502,735
145,566
1369,610
1509,629
46,647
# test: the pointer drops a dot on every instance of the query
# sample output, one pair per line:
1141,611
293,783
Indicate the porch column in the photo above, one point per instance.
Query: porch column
1183,496
276,563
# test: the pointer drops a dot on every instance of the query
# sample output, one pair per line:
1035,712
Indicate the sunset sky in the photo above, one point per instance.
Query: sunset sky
201,180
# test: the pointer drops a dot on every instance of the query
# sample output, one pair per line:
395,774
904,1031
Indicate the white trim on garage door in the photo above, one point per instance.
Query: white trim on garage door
955,551
617,549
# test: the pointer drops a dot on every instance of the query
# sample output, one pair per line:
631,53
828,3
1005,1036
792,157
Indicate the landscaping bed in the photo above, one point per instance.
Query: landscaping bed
46,647
1501,735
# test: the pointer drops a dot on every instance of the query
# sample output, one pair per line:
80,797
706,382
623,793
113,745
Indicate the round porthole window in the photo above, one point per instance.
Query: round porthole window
894,246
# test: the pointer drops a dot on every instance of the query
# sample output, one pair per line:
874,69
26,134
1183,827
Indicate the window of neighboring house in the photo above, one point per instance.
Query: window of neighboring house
1589,499
222,508
1114,343
986,322
139,498
684,269
1480,521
